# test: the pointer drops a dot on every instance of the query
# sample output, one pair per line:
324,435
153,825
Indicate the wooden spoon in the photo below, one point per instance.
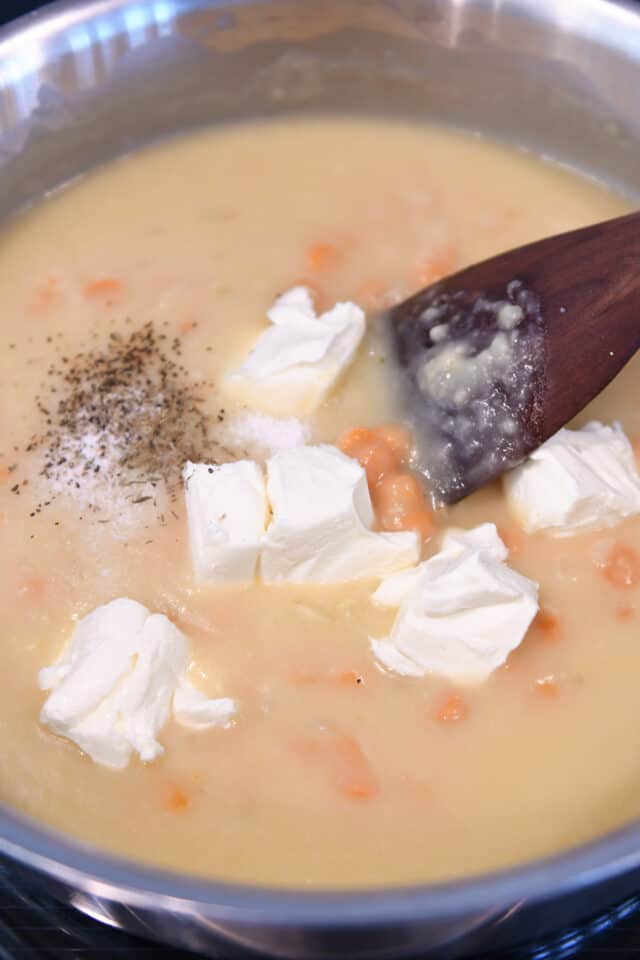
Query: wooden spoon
501,355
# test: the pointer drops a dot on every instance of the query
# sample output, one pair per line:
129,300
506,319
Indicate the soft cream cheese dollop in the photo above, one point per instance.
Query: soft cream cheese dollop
117,682
299,358
227,513
460,613
578,480
321,530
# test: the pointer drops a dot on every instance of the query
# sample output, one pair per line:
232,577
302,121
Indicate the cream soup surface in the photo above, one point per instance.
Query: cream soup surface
198,236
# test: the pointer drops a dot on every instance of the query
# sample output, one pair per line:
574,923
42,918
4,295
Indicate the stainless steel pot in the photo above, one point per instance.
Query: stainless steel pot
81,82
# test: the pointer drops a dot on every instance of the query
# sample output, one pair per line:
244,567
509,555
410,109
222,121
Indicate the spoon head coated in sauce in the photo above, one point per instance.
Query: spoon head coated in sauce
496,358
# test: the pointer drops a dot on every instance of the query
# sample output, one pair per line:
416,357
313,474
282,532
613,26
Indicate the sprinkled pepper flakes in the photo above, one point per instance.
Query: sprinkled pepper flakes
128,416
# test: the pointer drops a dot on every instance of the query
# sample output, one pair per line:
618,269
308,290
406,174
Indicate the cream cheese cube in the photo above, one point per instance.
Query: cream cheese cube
578,480
322,519
298,359
116,683
227,512
460,613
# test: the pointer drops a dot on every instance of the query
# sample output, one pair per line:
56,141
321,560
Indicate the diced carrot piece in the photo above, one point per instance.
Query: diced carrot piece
5,473
547,623
373,453
421,521
624,613
322,257
187,325
547,688
304,678
33,587
350,770
103,287
400,504
622,567
308,678
453,710
397,438
349,678
177,800
356,779
351,439
45,295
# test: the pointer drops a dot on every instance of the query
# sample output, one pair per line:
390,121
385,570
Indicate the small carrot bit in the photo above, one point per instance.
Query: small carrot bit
5,473
371,451
187,325
622,567
177,800
547,623
355,777
453,710
358,790
321,257
397,438
350,440
349,678
304,678
103,287
436,267
625,613
33,587
547,688
44,295
400,504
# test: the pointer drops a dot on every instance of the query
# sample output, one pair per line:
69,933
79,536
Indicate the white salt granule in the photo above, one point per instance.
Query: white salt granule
259,436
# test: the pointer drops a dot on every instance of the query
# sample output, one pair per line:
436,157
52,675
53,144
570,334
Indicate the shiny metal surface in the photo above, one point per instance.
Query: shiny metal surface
81,82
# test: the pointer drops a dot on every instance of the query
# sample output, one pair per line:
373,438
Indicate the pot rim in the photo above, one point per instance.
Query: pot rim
102,874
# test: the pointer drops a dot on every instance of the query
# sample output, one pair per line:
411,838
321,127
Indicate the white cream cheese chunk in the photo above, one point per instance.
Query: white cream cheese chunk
460,613
578,480
227,513
321,530
114,687
298,359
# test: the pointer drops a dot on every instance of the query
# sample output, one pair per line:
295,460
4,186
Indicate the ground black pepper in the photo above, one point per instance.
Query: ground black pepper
126,415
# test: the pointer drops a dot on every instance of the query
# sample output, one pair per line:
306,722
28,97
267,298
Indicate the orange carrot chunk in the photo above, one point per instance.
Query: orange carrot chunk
103,287
547,623
176,800
400,504
355,777
397,438
373,453
547,688
453,710
323,256
45,295
624,613
622,567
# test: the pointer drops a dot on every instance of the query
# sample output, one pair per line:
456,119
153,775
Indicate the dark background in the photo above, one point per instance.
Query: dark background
13,8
